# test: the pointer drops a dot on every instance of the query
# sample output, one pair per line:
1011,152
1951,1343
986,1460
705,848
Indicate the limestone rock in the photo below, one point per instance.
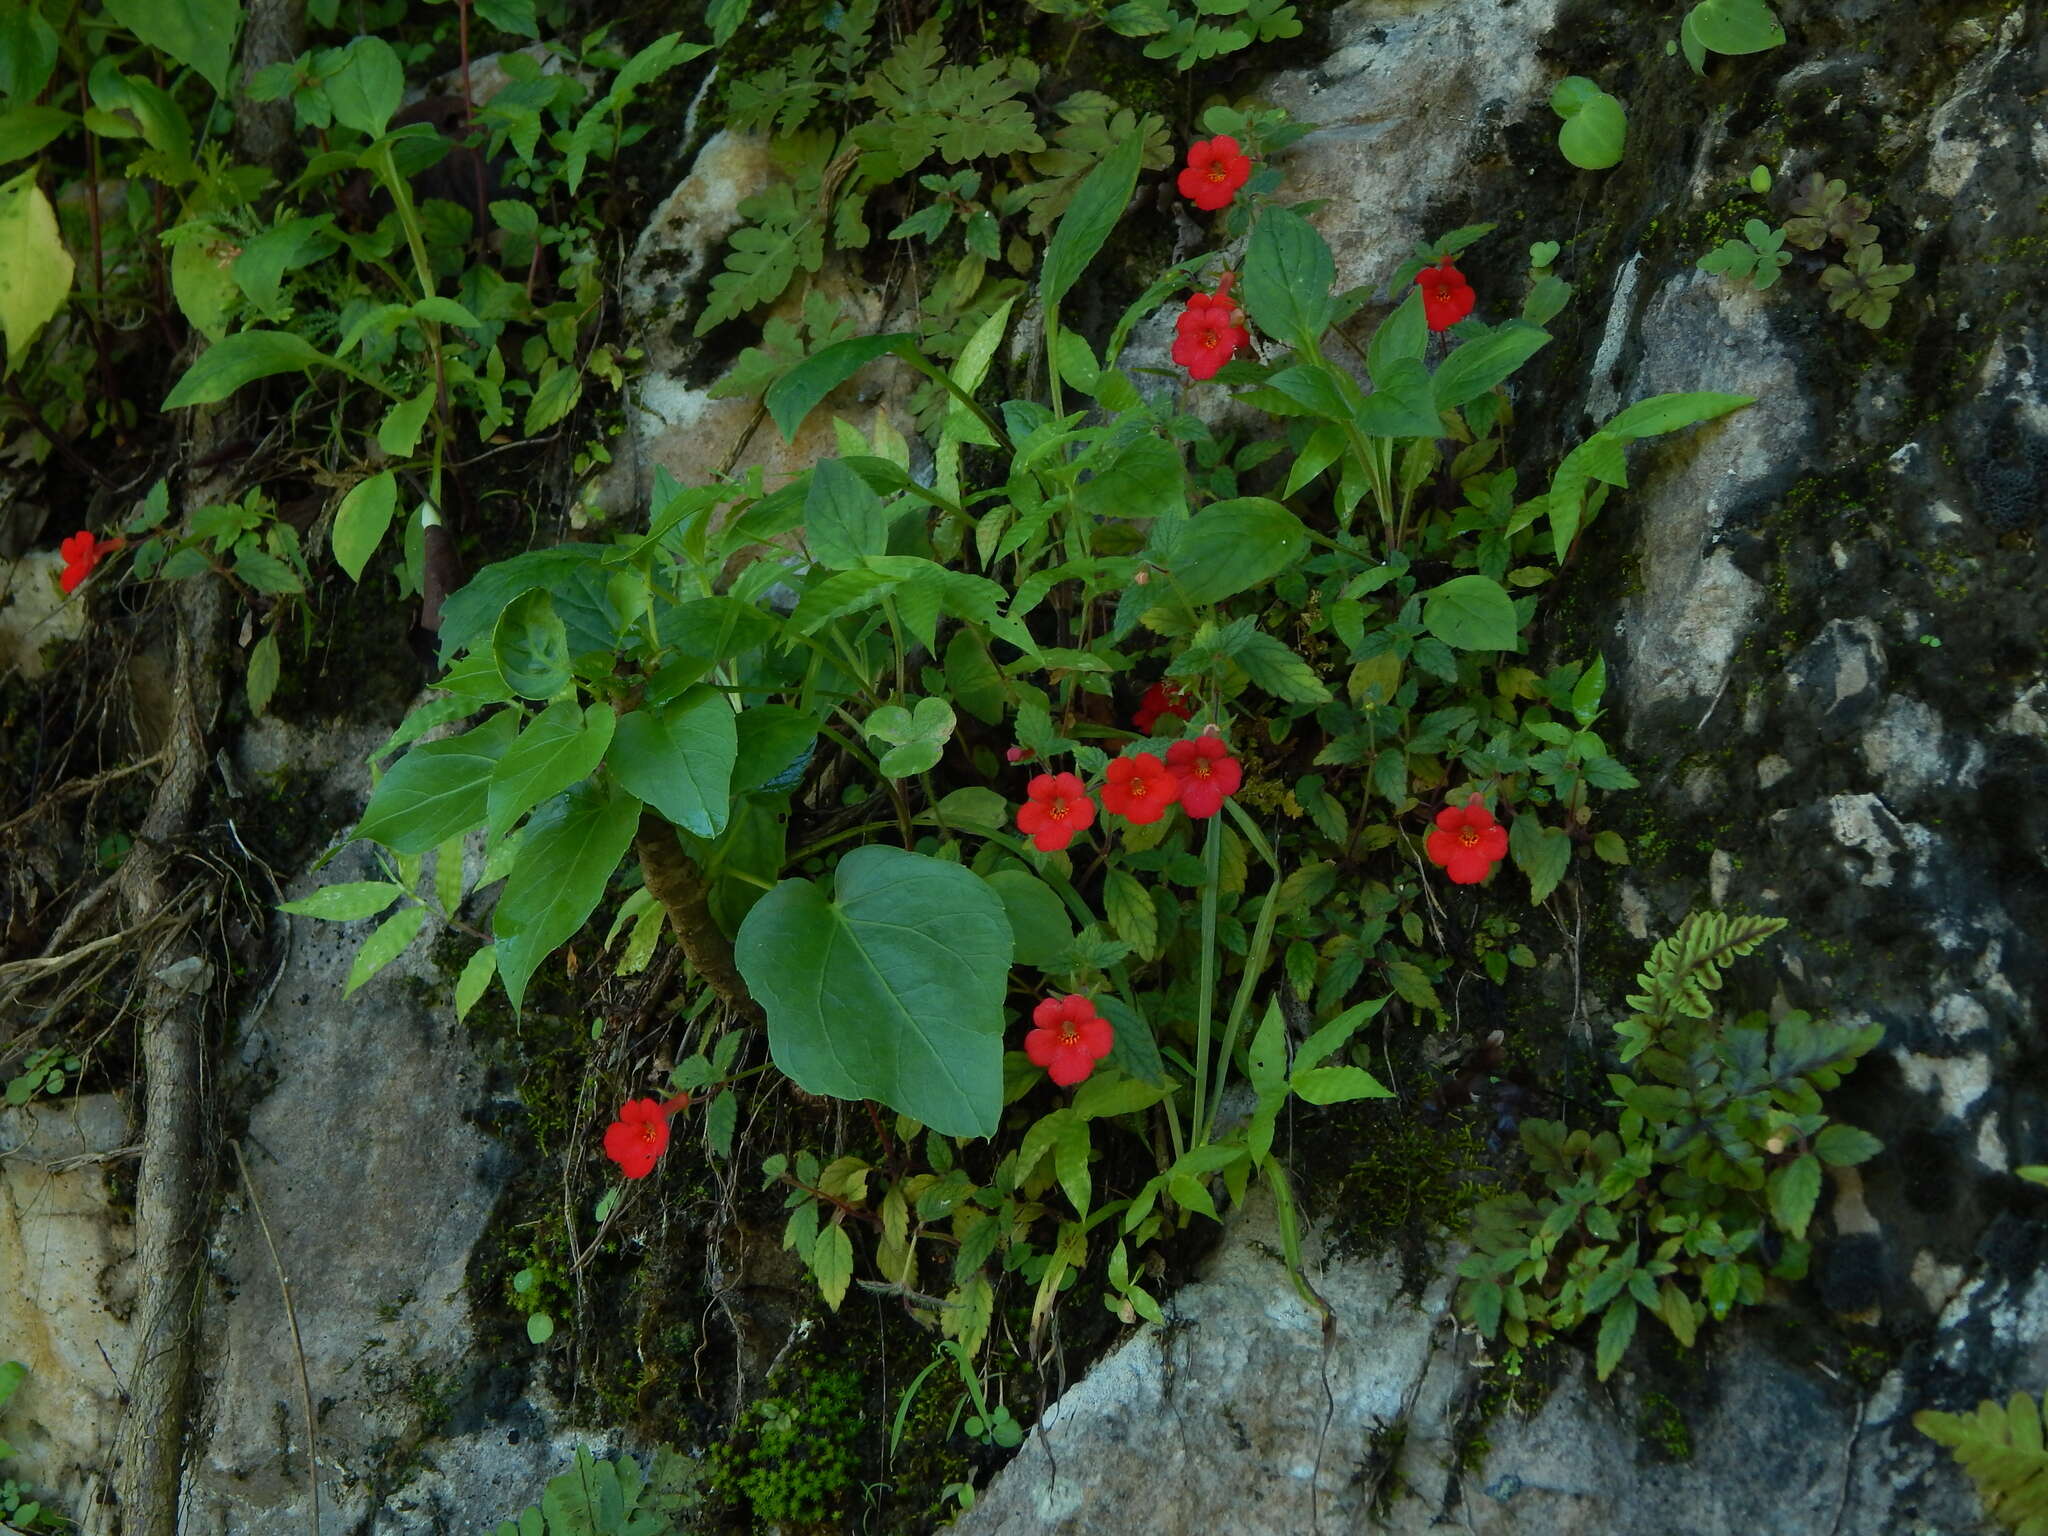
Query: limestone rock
64,1291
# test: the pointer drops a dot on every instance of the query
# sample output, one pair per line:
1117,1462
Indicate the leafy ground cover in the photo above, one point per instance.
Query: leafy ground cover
1016,814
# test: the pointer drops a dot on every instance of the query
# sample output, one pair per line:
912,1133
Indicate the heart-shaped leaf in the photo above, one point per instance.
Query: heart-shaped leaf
890,988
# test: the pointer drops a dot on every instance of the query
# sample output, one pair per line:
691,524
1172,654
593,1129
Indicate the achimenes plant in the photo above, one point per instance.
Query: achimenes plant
869,739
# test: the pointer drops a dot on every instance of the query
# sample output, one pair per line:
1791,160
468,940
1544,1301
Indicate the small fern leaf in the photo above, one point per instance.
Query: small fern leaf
2000,1447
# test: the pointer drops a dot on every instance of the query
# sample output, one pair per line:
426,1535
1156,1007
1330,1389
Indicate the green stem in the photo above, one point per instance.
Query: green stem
1212,880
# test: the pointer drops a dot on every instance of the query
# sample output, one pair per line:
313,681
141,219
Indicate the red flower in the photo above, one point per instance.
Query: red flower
1216,168
1058,806
1446,297
1140,789
1467,842
1208,774
1210,332
81,553
1161,699
1067,1038
636,1140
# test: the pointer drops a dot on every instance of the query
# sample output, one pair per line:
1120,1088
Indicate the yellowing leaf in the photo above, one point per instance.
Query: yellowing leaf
35,269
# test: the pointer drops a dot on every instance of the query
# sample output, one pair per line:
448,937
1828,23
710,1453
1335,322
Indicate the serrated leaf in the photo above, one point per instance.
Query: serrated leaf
1793,1191
1278,670
1542,853
831,1260
1617,1328
1129,907
261,679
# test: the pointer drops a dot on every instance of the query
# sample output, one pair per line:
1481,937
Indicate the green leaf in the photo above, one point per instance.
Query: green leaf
890,989
773,739
1735,26
35,268
679,758
832,1263
1098,203
1338,1085
1403,335
1288,271
1232,546
918,738
261,679
1617,1328
1039,920
1609,848
793,397
198,33
362,520
1110,1093
384,945
1472,613
1402,403
1793,1191
562,745
367,89
1595,124
348,902
437,790
1477,366
25,130
1131,912
1843,1146
1276,669
245,356
1667,413
1542,853
843,520
400,432
973,678
475,977
571,849
539,1329
1589,690
12,1374
531,646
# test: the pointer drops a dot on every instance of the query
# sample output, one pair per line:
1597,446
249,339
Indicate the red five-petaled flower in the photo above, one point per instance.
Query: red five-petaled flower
81,553
1067,1038
1140,789
1467,842
1209,332
1446,297
1216,168
1208,774
636,1140
1057,806
1161,699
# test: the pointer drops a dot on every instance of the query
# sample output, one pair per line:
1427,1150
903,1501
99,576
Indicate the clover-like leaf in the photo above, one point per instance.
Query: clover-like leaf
916,738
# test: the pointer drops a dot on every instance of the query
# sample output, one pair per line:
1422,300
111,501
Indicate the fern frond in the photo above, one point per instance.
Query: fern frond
778,100
764,256
2000,1446
1685,967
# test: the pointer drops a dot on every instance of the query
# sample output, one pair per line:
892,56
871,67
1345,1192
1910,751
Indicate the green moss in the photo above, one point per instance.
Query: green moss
791,1461
1663,1430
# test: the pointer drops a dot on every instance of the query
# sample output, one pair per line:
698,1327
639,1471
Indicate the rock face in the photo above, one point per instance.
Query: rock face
1822,616
366,1160
64,1289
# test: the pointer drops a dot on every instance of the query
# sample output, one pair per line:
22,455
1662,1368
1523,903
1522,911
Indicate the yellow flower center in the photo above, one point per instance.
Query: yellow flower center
1469,836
